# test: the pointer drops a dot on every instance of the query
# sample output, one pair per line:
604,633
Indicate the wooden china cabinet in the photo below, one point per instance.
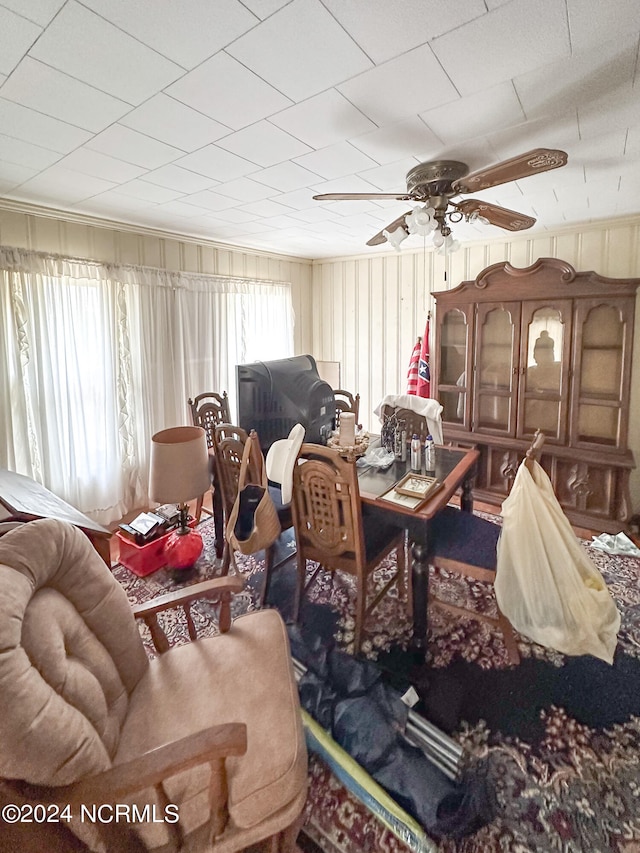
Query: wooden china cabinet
543,347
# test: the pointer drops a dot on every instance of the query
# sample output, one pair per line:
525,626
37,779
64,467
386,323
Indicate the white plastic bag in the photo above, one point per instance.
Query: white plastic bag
546,585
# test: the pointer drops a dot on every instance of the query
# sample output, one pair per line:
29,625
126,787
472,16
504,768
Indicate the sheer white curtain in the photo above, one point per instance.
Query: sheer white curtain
94,359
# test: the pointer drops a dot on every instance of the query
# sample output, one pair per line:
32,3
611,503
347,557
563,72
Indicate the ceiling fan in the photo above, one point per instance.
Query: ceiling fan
436,183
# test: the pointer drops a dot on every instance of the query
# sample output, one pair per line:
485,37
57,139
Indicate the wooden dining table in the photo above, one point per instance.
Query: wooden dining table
455,469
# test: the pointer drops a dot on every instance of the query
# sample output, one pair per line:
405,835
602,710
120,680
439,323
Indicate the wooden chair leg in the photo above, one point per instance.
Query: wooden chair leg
301,577
509,638
361,606
199,503
269,559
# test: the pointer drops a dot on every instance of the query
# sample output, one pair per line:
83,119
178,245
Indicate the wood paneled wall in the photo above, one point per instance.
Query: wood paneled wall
369,310
365,311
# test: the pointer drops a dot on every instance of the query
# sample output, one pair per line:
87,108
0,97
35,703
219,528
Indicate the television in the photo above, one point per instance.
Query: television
273,396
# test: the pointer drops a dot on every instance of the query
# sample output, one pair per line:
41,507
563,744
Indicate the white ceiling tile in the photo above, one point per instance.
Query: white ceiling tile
234,215
244,189
336,160
38,11
298,199
284,221
175,178
173,122
17,34
324,119
113,202
63,185
315,214
476,153
632,145
179,208
285,177
216,163
188,32
263,143
241,100
148,192
209,200
407,24
264,8
11,174
621,109
266,208
391,177
584,78
346,184
593,23
511,40
132,147
245,228
87,47
48,91
391,143
197,162
24,154
29,125
101,166
401,87
560,132
347,209
476,115
301,50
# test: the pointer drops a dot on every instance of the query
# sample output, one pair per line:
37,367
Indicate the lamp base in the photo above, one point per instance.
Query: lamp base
182,549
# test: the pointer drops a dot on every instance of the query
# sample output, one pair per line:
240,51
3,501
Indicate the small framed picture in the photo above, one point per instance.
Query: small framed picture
417,486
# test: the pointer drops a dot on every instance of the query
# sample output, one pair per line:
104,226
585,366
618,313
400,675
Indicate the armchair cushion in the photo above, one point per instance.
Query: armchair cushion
196,683
71,654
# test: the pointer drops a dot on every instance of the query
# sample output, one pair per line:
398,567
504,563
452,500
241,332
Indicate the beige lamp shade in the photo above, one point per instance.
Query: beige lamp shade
179,465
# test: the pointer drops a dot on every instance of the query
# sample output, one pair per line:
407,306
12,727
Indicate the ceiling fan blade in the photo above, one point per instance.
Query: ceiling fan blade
362,196
500,216
537,160
397,223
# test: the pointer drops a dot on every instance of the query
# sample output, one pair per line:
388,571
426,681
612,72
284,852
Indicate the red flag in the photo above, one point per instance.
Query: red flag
424,377
412,373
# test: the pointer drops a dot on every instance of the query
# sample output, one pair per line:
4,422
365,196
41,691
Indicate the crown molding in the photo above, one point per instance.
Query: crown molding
77,218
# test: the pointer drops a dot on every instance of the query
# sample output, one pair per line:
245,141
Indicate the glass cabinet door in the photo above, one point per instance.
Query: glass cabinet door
601,368
544,369
454,381
496,370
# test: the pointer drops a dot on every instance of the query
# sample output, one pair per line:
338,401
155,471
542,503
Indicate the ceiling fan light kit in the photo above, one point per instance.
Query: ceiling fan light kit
435,184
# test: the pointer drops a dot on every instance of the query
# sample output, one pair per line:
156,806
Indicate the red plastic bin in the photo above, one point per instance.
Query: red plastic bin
143,560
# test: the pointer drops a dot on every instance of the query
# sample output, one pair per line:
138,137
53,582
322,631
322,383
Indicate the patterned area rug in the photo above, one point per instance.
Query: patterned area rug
559,736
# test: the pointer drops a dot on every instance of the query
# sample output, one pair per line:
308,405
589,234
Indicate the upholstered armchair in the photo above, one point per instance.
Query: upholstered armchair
211,727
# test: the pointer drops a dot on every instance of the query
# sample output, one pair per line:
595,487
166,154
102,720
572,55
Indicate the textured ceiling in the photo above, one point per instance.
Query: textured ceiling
220,119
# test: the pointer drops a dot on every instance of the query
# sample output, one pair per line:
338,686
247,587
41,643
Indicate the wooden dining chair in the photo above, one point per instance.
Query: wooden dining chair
332,531
207,411
346,402
466,545
229,443
415,424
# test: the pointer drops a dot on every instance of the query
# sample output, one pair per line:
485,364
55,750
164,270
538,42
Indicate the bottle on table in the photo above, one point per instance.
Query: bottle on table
416,454
429,455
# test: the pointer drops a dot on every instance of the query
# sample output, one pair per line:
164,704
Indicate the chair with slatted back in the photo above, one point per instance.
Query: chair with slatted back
207,411
332,531
229,442
465,544
415,424
346,402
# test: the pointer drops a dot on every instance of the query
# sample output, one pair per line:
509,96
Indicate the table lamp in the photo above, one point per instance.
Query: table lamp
180,473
